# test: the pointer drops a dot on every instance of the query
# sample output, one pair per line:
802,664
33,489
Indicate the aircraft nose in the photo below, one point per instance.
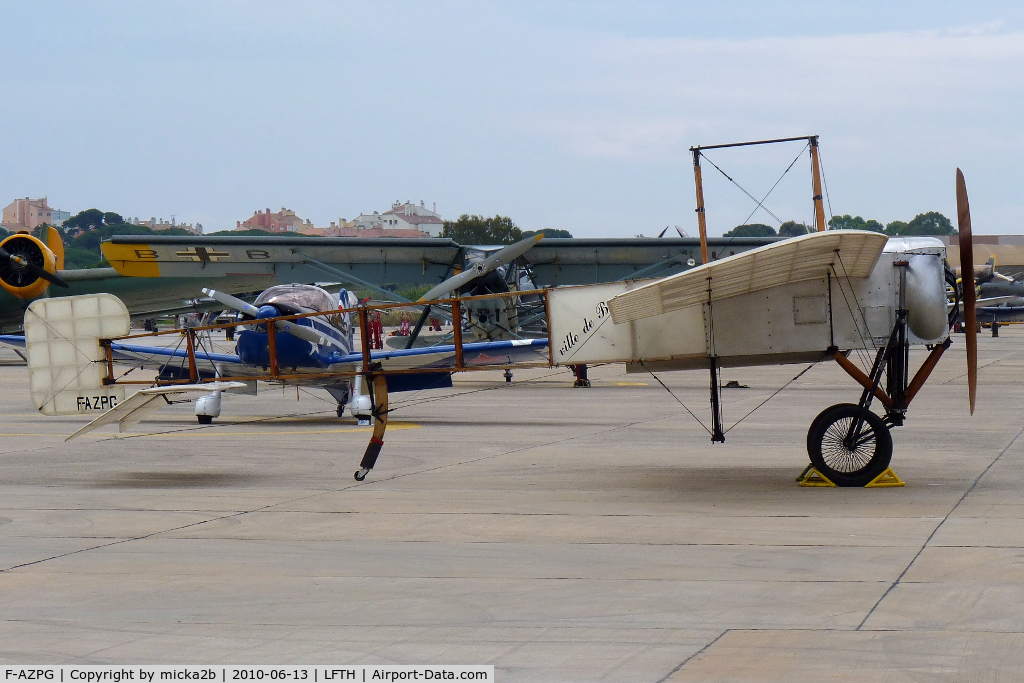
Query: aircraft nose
267,312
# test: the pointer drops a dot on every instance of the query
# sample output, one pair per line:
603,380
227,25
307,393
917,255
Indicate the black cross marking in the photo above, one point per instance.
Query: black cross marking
202,254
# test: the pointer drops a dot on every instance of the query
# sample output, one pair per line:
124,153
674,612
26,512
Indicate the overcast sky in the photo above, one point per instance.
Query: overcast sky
573,115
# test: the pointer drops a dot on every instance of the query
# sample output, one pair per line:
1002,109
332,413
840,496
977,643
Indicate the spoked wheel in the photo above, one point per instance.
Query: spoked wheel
848,444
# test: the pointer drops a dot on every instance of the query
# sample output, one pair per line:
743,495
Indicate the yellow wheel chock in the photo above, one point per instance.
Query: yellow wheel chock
812,477
886,479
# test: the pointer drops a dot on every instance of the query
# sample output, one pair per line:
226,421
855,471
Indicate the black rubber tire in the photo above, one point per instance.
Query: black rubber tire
831,457
205,419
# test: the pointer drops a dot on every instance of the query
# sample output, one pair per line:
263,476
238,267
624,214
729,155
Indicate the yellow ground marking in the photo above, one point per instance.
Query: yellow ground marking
631,384
34,434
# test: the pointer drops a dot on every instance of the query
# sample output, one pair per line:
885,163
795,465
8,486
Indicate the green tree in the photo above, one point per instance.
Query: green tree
480,230
793,229
848,222
752,230
895,228
548,233
931,223
111,218
90,219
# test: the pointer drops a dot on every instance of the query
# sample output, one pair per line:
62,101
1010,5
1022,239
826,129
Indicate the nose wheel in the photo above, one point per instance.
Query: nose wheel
849,444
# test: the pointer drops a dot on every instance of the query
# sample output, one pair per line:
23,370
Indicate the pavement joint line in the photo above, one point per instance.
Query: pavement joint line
971,488
686,661
991,362
320,493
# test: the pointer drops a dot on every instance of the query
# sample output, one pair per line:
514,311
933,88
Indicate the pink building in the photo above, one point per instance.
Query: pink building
27,214
284,220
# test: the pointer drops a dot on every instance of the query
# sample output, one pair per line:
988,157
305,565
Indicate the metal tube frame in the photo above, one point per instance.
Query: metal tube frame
366,368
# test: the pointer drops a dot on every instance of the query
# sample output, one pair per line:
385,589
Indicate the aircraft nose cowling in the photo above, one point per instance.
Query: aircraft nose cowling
926,298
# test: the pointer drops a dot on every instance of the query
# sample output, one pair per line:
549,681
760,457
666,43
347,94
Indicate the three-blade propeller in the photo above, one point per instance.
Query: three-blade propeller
33,269
963,215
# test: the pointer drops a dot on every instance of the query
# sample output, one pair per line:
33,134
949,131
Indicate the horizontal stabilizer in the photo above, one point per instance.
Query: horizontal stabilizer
852,252
143,403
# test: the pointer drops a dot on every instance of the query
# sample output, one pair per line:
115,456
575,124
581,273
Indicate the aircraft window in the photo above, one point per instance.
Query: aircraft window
296,298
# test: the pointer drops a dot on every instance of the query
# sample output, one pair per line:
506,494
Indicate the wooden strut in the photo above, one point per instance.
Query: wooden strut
193,373
275,371
925,370
380,424
457,333
819,208
109,379
364,337
858,375
701,222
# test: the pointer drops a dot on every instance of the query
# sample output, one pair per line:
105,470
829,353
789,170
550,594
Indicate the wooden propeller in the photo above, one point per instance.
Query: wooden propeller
963,215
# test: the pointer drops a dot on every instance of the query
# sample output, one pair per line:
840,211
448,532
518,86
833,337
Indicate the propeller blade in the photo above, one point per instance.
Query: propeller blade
495,260
305,333
32,268
963,215
454,282
46,275
232,302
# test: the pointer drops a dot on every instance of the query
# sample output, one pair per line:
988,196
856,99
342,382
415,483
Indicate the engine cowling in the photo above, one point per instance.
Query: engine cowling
16,278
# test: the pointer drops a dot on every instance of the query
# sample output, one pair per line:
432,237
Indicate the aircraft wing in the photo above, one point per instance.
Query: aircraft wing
145,298
403,260
555,262
15,340
442,355
286,258
853,254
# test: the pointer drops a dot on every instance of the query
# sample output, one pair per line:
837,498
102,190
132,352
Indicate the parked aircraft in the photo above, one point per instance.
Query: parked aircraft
817,297
307,347
808,299
31,268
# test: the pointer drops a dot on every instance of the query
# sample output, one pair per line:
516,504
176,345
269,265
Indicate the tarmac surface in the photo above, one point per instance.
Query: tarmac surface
560,534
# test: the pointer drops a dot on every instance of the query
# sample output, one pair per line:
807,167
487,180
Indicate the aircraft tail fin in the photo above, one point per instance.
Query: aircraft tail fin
66,364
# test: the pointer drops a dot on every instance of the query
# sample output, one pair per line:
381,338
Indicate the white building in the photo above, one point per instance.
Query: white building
408,216
367,221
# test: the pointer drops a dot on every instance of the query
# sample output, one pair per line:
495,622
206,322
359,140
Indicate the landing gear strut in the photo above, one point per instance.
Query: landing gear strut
380,424
581,375
849,444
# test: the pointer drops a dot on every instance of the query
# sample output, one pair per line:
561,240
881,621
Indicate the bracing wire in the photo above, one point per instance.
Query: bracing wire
760,203
866,341
658,379
409,404
776,393
742,189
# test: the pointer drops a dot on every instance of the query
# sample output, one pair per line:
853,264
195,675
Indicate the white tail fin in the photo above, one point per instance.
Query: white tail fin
65,360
